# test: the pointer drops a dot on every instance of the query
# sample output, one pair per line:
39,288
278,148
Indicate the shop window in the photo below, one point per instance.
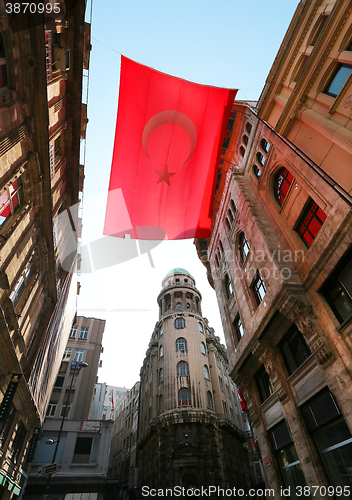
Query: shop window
206,372
181,344
184,397
238,327
310,222
180,323
332,436
228,286
11,200
182,369
83,448
202,348
3,66
282,184
338,289
243,247
259,289
282,445
338,80
209,401
18,443
265,387
294,350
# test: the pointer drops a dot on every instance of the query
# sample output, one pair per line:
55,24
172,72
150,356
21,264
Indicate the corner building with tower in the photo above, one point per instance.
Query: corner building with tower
191,431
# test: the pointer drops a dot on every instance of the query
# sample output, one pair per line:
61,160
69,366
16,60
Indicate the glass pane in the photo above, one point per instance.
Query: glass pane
291,470
338,80
5,209
340,302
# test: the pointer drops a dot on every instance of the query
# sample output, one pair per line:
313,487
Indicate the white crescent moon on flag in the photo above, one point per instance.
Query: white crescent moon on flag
170,116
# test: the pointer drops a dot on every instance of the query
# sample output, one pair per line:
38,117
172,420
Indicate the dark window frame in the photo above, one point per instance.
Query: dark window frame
311,215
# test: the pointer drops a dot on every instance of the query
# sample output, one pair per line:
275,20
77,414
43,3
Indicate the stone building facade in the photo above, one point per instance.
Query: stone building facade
191,431
40,177
123,453
279,258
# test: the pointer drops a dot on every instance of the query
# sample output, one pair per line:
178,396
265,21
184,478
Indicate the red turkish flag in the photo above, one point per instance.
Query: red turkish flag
167,144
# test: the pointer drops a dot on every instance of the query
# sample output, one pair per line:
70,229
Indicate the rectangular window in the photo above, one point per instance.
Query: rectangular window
67,354
338,80
338,289
18,442
21,284
294,350
73,332
83,334
50,412
63,407
83,450
258,288
238,328
79,355
59,381
265,387
310,222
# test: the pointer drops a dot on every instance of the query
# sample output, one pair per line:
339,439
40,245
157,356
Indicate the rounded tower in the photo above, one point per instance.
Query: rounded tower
190,423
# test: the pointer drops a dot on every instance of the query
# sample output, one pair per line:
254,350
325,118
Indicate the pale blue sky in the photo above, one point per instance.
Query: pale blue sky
225,43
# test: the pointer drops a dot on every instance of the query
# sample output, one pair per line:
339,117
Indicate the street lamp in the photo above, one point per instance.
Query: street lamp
76,365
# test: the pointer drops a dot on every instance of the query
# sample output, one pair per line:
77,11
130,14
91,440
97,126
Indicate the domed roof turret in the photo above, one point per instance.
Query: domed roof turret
178,270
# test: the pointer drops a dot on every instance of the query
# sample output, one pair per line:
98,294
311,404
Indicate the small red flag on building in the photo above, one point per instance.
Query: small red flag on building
112,403
244,407
167,143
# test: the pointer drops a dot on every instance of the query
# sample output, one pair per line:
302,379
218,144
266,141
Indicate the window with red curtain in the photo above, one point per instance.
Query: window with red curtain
310,222
184,397
283,181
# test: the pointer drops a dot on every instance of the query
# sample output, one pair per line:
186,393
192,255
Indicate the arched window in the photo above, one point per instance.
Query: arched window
178,305
228,225
228,286
217,259
188,305
261,159
257,172
245,139
209,400
161,375
200,327
243,246
184,397
181,344
242,151
233,206
182,369
221,246
180,323
161,351
259,289
248,127
265,145
11,199
161,331
202,348
230,214
283,181
206,372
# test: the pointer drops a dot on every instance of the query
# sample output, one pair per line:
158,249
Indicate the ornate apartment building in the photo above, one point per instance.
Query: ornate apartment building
191,431
41,65
280,253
